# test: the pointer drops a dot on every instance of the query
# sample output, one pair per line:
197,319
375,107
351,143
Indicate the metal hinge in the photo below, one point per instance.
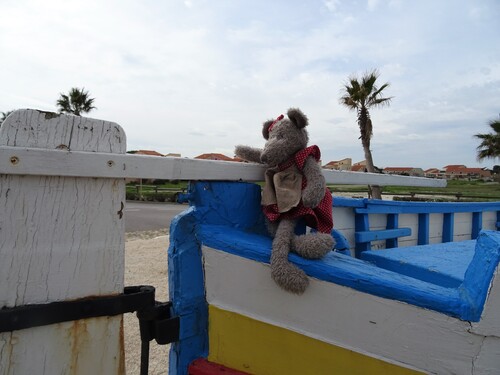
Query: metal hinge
155,318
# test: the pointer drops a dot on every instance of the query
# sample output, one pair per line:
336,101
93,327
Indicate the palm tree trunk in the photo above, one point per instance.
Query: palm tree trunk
364,122
376,192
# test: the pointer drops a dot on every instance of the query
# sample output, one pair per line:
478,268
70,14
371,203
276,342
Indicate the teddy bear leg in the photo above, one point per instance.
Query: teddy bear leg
285,274
313,245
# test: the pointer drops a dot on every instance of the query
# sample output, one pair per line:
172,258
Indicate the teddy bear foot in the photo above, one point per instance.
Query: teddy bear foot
313,245
290,278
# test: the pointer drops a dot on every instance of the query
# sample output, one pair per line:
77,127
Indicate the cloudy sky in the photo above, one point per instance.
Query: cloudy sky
200,76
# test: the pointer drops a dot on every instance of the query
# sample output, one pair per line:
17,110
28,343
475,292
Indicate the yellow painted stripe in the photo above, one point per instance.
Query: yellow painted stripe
252,346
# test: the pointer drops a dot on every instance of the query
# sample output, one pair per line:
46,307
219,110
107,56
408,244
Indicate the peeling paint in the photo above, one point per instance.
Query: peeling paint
49,115
121,364
79,335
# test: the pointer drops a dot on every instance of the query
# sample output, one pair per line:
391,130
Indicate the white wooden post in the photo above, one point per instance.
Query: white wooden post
61,238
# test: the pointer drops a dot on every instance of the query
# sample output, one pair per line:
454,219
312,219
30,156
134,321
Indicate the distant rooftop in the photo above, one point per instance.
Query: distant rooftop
214,156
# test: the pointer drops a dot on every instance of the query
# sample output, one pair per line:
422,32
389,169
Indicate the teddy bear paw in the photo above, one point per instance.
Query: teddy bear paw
290,277
313,245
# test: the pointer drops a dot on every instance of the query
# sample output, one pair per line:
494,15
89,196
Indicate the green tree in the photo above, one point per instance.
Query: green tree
76,102
489,148
361,95
4,116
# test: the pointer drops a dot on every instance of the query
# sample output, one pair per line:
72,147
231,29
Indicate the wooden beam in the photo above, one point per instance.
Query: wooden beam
35,161
384,234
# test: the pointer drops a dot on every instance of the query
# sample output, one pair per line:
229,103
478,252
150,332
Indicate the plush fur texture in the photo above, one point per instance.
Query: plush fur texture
288,136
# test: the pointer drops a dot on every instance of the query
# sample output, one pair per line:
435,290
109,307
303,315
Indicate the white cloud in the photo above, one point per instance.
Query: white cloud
372,5
195,77
331,5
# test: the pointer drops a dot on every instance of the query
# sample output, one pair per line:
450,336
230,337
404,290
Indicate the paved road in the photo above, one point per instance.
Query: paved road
141,216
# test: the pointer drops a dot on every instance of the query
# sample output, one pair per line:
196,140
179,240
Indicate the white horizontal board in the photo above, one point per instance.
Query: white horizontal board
33,161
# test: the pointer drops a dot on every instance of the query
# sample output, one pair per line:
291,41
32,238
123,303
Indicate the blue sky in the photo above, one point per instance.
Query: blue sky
199,76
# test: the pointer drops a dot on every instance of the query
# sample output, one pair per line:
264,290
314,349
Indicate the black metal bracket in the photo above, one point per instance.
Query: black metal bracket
155,318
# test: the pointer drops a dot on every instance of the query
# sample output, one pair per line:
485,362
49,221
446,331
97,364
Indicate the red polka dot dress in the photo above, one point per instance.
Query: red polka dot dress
320,217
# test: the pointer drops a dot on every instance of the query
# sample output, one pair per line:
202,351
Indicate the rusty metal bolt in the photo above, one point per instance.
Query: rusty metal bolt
14,160
111,163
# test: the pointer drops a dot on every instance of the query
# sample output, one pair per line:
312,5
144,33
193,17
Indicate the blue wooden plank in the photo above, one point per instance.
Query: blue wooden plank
187,291
376,235
392,223
441,264
477,224
361,224
384,207
423,229
341,243
348,202
448,227
480,273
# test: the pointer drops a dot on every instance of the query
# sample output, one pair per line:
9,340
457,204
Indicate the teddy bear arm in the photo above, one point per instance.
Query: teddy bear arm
248,153
314,192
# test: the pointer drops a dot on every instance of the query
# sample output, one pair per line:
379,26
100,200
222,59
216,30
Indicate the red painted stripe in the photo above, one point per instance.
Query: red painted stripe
203,367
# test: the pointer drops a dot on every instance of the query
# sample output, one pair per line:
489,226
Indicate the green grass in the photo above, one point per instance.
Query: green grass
471,190
468,190
165,192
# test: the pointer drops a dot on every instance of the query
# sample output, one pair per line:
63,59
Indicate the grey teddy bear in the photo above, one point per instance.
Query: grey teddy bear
294,190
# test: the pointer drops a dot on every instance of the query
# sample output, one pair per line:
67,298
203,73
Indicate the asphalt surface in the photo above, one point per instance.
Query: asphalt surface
141,216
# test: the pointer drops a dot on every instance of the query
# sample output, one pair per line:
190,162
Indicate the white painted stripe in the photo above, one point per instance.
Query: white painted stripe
33,161
383,328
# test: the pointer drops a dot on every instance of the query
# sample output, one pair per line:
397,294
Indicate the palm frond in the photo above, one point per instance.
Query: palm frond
489,148
76,102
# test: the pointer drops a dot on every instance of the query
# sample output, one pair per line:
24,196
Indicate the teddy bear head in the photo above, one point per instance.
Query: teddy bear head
284,137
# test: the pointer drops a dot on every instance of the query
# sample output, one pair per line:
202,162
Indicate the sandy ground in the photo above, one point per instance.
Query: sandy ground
145,264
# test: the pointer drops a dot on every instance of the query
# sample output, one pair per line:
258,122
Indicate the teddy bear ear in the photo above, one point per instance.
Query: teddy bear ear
297,117
265,129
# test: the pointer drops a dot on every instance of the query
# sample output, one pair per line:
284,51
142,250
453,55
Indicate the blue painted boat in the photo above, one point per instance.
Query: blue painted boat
409,288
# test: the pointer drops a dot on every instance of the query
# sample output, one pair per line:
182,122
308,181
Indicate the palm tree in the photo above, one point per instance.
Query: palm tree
4,116
489,148
76,102
361,95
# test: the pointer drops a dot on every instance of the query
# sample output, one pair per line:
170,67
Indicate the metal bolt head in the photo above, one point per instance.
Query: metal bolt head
14,160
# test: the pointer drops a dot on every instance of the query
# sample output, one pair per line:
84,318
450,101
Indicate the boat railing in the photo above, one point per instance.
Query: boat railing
389,224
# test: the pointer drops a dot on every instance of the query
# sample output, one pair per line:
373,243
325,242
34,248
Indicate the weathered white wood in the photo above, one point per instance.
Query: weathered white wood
490,318
61,238
358,178
487,361
391,330
72,163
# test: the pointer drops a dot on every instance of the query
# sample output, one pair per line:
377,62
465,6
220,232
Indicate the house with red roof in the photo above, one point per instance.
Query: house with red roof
462,172
358,168
147,152
214,156
404,171
339,165
454,166
434,173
